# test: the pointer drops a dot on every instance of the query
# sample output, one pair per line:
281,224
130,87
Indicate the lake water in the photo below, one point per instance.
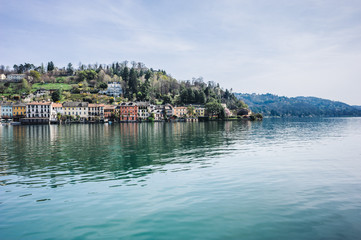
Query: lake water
276,179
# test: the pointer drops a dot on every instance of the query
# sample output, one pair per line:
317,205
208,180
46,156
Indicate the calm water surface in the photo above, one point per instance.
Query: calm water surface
276,179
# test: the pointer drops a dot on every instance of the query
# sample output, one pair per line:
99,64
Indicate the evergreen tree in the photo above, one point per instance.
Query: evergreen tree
56,96
133,84
70,69
50,66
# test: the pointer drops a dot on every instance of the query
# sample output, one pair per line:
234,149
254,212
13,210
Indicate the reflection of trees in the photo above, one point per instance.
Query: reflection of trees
55,155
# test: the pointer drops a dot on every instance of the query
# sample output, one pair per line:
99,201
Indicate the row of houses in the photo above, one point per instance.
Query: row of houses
48,112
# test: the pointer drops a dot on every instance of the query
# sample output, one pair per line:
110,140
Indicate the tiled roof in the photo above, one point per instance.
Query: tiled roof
57,105
39,103
75,104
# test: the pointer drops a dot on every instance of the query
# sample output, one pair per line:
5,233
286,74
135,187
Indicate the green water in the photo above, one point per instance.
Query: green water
276,179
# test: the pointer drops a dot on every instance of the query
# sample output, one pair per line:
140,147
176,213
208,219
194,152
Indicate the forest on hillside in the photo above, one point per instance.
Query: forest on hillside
276,106
139,83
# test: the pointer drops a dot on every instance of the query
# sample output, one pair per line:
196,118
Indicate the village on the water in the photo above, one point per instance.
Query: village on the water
26,111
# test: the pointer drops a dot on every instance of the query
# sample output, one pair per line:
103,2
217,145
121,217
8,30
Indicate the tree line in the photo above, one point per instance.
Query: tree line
138,82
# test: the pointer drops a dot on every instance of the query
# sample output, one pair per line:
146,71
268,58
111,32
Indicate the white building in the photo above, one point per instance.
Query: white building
57,109
15,77
144,110
38,113
2,77
114,89
95,112
6,110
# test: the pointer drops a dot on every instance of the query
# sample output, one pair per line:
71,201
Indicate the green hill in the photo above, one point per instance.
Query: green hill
273,105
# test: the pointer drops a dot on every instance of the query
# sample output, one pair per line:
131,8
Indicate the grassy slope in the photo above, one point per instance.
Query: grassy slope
48,86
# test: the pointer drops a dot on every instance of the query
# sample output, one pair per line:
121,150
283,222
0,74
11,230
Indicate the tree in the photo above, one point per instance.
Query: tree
213,108
70,69
36,75
56,96
166,99
184,96
25,86
190,111
103,85
133,84
148,75
50,66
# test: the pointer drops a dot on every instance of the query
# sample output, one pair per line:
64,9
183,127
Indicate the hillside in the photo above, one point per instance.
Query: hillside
88,82
273,105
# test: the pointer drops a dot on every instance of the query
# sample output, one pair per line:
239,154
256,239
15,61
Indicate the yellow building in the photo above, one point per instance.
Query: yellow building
200,111
180,111
19,110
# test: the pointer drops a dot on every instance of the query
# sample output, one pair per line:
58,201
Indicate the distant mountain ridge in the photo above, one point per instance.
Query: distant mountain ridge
273,105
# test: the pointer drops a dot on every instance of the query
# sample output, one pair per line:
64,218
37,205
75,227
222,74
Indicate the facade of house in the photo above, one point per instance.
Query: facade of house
169,110
15,77
41,92
109,110
128,112
95,112
158,114
37,113
2,77
144,110
114,89
180,111
78,110
57,109
6,110
200,111
19,111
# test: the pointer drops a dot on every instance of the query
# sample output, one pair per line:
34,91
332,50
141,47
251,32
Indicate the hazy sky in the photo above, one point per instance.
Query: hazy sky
289,48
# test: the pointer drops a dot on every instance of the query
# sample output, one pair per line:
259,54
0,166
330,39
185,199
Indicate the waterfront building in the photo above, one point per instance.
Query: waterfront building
128,111
168,110
180,111
158,114
109,110
79,110
200,111
57,109
19,111
144,110
37,113
95,112
6,110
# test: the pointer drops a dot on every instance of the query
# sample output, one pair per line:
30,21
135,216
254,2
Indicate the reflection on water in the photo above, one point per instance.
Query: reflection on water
52,155
55,155
276,179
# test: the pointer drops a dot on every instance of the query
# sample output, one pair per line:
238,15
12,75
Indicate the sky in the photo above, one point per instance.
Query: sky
288,48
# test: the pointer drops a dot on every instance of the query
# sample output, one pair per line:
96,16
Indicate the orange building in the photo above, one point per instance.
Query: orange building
128,112
108,111
19,111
